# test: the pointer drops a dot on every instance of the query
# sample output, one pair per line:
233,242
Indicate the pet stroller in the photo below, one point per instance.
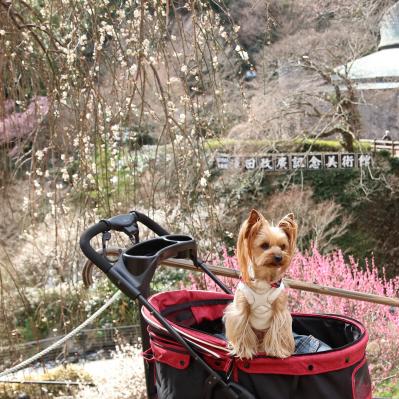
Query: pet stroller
184,347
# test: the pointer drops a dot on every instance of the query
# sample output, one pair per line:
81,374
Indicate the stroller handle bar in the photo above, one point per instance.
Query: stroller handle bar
140,261
132,274
126,223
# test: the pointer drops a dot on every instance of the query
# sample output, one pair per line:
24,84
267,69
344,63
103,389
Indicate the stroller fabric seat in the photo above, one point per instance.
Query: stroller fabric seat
338,370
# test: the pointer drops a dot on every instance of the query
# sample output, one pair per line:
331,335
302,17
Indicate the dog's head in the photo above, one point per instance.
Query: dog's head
269,249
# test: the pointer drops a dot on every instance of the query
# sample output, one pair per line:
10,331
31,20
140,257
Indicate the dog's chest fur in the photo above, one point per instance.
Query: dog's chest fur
260,297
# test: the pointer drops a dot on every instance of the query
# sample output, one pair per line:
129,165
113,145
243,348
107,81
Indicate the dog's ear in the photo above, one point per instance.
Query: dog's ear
290,228
253,218
248,231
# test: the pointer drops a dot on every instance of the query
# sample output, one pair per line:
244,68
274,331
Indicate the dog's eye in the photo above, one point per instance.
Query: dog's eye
283,247
265,246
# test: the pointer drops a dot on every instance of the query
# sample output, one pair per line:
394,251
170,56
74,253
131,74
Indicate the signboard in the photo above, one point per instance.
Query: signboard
285,162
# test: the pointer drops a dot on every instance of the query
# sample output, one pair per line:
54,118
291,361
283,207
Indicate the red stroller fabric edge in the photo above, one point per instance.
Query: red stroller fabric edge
309,364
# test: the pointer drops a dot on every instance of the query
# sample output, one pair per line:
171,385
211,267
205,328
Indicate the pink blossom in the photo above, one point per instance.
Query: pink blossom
19,125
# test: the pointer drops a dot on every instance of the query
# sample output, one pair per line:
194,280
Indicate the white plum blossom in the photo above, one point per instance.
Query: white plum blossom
65,174
39,155
83,40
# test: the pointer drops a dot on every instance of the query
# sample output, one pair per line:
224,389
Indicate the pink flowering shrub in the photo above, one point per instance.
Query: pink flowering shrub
382,322
332,270
19,125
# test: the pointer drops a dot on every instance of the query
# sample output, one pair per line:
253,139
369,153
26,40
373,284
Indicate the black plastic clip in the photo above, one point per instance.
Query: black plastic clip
132,232
106,236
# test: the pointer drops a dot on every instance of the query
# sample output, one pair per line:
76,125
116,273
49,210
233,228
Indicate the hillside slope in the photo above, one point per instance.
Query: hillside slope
294,46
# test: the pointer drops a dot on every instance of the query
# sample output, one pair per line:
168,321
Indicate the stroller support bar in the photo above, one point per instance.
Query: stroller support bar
295,284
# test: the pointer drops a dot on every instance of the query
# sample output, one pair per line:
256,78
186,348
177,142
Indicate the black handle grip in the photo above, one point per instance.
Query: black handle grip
119,223
98,259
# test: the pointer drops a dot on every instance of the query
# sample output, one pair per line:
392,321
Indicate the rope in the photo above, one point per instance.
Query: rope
32,359
24,382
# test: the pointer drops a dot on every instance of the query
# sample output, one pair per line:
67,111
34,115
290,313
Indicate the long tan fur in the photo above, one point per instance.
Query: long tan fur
242,338
278,340
245,236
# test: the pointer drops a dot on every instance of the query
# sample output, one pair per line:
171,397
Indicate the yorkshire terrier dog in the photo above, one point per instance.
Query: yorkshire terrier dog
258,319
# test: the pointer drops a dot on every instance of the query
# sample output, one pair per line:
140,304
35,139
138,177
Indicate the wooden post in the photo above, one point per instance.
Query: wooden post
295,284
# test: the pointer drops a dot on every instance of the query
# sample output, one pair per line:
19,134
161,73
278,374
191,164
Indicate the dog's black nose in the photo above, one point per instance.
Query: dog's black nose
278,258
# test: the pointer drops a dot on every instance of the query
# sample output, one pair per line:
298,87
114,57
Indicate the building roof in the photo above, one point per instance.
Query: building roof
379,70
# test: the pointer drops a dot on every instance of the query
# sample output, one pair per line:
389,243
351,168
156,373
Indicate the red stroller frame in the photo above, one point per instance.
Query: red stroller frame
183,334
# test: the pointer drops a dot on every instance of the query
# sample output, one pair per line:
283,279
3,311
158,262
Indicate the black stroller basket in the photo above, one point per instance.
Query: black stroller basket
186,354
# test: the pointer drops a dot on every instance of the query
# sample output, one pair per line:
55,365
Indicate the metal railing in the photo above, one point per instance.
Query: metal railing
391,146
84,346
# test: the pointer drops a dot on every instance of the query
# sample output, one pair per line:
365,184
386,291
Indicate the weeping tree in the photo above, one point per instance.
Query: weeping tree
107,106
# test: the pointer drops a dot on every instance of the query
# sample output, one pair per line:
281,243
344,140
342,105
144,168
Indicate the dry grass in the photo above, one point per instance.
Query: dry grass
122,378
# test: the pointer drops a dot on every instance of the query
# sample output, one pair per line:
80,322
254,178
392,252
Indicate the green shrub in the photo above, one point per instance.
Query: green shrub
56,308
331,146
226,144
297,145
318,145
331,184
388,388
